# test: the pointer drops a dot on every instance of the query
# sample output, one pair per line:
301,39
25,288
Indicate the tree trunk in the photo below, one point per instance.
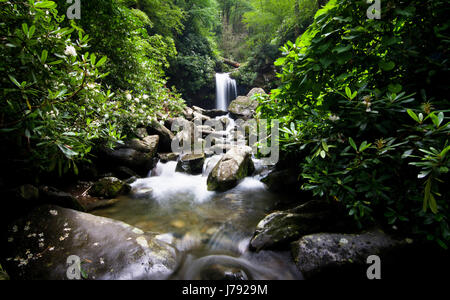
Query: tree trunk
231,63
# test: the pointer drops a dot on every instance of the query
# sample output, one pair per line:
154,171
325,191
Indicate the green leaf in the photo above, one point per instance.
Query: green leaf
413,115
101,62
323,154
395,88
348,92
386,66
353,144
25,28
93,59
14,80
31,31
44,56
440,118
45,4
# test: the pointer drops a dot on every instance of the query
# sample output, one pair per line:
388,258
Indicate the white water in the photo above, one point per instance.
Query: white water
226,90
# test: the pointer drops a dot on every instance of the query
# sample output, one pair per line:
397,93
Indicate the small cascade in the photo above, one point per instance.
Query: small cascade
226,90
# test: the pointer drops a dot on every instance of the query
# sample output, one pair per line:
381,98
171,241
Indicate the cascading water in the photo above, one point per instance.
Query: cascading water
226,90
210,230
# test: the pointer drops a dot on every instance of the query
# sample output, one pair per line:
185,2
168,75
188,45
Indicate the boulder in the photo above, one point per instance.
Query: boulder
243,108
280,228
191,164
282,181
44,244
223,272
51,195
124,173
319,254
166,157
255,91
141,162
99,204
235,165
141,133
148,144
214,113
165,136
188,113
200,118
109,187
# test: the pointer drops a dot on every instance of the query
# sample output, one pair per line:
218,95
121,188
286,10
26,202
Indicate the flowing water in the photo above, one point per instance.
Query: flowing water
211,230
226,90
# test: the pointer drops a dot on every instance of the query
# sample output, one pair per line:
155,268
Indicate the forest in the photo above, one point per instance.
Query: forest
354,96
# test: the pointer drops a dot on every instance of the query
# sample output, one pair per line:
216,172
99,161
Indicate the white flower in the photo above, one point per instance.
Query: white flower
129,97
102,261
51,248
15,229
334,118
41,245
145,97
53,212
26,228
343,241
70,50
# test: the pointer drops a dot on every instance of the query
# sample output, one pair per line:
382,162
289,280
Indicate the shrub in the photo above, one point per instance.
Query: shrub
365,103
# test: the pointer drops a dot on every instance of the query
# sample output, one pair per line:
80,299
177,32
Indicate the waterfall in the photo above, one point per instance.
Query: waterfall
226,90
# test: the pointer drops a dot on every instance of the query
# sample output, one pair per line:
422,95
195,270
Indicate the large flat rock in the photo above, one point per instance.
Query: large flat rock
39,245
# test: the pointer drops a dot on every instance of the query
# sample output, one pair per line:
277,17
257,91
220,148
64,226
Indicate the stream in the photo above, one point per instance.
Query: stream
211,230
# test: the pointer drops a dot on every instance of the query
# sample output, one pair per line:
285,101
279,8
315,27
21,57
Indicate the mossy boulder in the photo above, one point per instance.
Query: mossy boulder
280,228
191,164
109,187
317,255
235,165
243,108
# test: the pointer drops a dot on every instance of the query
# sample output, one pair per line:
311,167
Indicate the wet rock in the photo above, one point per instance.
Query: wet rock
148,144
109,187
124,173
99,204
141,162
221,272
141,133
243,108
166,157
51,195
165,136
318,254
280,228
235,165
188,113
200,118
225,122
255,91
191,164
214,113
39,246
283,181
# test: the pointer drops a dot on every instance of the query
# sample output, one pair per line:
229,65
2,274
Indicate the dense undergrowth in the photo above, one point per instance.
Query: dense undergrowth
364,105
